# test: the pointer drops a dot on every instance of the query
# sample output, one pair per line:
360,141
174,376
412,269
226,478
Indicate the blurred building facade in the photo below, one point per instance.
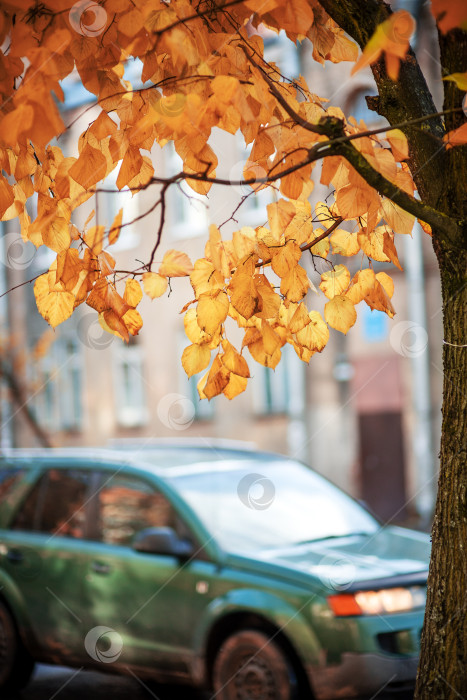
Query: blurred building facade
365,413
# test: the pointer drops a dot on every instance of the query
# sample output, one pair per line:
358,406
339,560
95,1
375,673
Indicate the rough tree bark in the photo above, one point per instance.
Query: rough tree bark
443,662
440,176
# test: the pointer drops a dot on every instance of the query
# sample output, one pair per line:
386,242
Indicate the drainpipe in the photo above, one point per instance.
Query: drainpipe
422,444
6,432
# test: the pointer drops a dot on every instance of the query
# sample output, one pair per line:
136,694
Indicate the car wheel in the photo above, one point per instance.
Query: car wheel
16,665
251,666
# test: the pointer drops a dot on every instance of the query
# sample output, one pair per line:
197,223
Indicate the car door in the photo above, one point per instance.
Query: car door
140,605
41,553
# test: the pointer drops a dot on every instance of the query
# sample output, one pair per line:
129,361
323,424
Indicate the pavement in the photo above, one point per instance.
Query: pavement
60,683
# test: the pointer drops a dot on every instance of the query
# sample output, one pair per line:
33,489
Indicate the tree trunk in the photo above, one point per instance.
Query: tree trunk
443,662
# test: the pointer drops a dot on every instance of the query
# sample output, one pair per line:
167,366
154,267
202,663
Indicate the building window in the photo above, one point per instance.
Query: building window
108,206
187,213
271,388
130,393
57,382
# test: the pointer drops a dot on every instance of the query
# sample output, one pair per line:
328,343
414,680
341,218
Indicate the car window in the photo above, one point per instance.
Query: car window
9,477
128,505
56,504
257,505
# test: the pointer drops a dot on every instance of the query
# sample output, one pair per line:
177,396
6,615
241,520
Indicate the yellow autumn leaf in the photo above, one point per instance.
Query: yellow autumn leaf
234,386
212,311
340,313
344,243
379,300
195,358
399,220
90,167
386,282
318,332
459,78
133,293
155,285
270,300
399,144
335,281
362,283
133,321
300,318
244,295
115,229
56,235
233,360
205,278
94,239
285,258
217,379
295,284
196,335
54,306
175,264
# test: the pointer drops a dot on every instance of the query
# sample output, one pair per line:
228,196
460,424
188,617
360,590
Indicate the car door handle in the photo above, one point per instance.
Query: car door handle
99,568
15,556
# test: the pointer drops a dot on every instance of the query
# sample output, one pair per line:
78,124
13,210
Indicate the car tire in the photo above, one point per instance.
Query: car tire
16,665
251,666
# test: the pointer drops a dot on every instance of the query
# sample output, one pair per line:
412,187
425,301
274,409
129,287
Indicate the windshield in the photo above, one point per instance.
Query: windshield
260,504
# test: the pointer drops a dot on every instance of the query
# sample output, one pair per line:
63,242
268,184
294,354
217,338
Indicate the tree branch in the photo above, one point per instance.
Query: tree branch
444,224
22,403
402,101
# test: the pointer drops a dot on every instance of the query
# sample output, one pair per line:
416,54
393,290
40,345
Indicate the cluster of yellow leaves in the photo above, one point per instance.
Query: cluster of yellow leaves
201,69
257,281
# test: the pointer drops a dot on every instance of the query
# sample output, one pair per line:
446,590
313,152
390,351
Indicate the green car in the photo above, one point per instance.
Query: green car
225,568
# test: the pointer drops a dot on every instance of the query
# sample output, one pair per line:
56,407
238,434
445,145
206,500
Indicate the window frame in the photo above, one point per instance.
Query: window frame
42,482
181,527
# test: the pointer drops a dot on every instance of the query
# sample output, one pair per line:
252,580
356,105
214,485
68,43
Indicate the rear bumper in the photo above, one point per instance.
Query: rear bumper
360,675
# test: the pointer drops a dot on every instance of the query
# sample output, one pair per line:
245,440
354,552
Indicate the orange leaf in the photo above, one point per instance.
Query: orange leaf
449,14
175,264
458,137
90,167
133,293
154,285
340,313
391,37
130,167
6,195
244,295
212,311
195,358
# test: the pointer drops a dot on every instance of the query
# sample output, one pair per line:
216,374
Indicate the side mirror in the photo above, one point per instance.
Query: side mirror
162,540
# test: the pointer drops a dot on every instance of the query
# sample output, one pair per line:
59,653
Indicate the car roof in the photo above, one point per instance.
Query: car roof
153,457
